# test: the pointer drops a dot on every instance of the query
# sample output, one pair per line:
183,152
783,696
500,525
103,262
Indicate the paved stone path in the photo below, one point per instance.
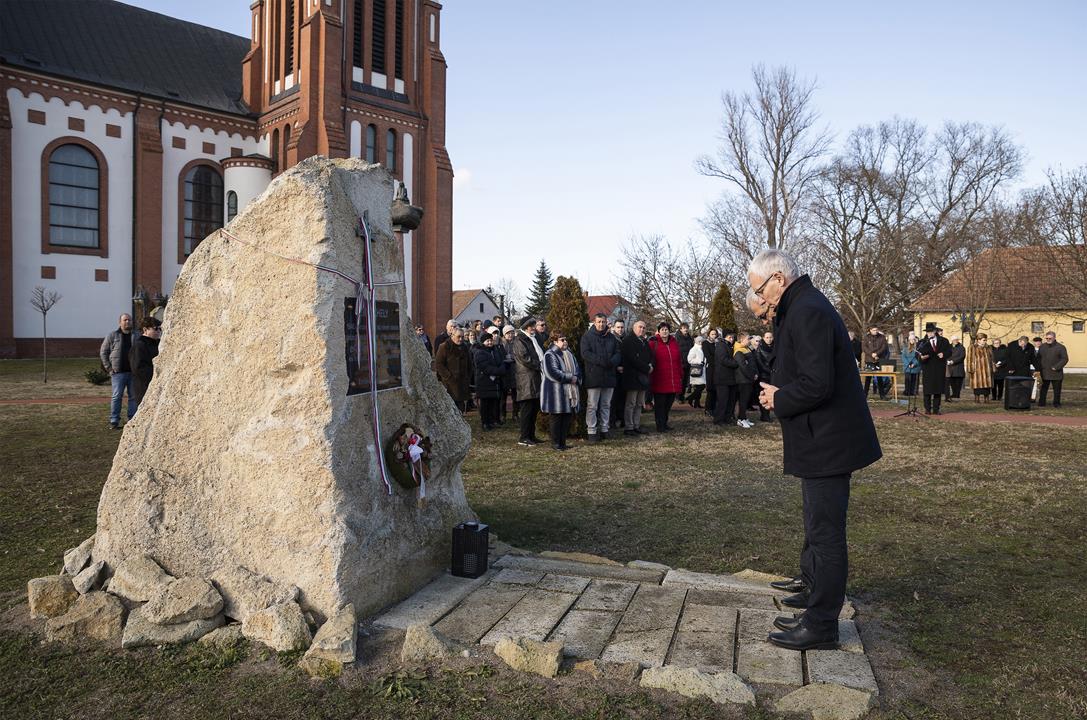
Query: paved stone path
648,614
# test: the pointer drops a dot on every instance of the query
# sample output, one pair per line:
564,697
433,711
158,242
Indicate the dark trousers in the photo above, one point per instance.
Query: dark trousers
686,381
696,395
998,388
911,384
1045,391
824,561
744,399
882,385
527,410
560,428
489,411
711,398
726,400
954,387
662,406
932,402
618,405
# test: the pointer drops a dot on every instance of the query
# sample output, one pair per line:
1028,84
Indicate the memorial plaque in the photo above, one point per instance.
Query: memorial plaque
357,346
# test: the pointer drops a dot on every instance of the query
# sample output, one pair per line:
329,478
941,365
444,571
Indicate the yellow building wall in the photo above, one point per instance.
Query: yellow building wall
1008,326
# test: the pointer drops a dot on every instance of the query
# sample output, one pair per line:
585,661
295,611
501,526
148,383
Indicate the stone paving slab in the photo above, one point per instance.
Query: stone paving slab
534,617
644,635
564,583
838,667
479,612
705,638
706,581
432,602
726,598
585,633
849,639
755,625
590,570
606,595
517,577
763,662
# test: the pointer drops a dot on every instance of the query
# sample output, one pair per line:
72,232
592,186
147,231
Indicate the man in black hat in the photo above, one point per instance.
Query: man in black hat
933,352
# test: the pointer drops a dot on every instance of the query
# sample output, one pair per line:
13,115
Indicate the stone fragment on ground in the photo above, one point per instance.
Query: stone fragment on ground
721,688
222,638
837,667
50,596
96,615
281,627
141,631
422,643
531,656
138,579
849,639
848,610
333,646
624,672
579,557
759,577
89,578
646,565
827,702
184,600
77,558
245,592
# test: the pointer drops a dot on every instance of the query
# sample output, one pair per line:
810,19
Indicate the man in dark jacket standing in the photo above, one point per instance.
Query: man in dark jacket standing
764,363
875,350
637,365
933,353
827,434
686,342
619,397
956,369
1000,368
709,350
601,355
114,354
1052,357
724,378
144,351
1020,358
528,360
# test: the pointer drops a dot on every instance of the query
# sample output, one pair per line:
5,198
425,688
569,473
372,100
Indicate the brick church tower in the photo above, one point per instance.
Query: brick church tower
368,84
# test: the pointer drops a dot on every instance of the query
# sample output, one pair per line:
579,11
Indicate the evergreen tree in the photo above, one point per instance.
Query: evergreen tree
722,311
539,299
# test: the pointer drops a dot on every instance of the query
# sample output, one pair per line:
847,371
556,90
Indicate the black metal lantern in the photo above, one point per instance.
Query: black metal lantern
470,541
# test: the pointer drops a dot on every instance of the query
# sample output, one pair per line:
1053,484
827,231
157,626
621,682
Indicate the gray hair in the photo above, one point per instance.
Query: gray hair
753,300
770,261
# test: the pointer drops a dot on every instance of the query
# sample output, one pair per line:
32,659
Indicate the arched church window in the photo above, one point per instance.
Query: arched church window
202,205
390,151
371,144
74,185
274,149
231,205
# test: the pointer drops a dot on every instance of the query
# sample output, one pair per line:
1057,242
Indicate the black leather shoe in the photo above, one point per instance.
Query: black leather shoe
800,600
640,431
786,623
801,638
631,432
792,585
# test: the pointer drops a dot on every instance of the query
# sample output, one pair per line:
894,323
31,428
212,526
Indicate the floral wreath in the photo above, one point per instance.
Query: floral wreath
409,452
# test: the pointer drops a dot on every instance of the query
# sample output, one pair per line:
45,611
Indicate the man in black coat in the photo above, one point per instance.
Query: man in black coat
1020,358
600,352
933,352
686,342
725,380
827,433
637,362
709,350
764,363
528,359
619,397
1000,368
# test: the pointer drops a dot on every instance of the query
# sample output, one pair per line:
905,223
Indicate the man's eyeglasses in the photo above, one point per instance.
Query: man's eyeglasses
762,287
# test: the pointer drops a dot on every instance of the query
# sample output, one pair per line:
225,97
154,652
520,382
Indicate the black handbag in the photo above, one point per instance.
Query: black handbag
696,370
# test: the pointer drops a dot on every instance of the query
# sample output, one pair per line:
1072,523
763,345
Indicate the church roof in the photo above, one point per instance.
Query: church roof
119,46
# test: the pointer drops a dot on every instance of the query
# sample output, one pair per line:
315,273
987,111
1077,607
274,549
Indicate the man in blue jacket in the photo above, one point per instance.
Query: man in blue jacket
827,434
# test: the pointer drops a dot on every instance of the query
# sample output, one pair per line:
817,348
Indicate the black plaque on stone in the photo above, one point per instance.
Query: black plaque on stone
357,346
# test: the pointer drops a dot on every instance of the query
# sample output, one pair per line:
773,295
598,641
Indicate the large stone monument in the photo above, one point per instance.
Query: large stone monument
254,447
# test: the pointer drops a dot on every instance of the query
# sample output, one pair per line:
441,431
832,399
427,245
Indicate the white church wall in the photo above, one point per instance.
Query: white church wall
88,308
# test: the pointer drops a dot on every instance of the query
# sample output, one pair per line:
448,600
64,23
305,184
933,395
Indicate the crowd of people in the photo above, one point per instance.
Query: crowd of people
528,369
939,367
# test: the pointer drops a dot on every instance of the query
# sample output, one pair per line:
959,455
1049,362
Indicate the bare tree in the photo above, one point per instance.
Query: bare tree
1058,224
770,149
508,294
43,302
666,283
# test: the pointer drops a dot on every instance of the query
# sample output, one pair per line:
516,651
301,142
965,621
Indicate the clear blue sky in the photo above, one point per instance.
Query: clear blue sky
572,124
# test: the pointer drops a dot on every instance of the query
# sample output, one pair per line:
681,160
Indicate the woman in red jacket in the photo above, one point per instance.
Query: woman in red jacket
667,377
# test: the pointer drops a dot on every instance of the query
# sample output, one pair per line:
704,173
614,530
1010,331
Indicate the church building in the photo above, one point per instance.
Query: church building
127,136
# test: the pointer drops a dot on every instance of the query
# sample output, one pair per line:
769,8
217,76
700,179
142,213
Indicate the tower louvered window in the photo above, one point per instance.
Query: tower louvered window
399,38
290,37
357,54
377,57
